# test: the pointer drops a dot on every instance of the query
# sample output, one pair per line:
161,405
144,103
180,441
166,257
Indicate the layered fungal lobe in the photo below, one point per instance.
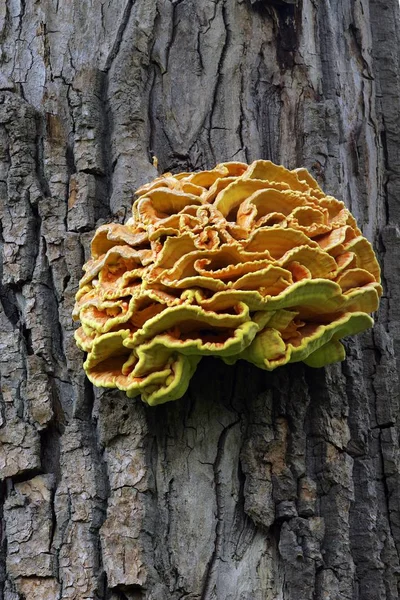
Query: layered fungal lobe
248,262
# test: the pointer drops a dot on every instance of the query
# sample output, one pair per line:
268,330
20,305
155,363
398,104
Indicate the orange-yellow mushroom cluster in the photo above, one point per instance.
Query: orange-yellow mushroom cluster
248,262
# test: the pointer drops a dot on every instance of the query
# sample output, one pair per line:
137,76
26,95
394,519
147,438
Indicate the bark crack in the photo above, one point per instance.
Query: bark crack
219,75
120,34
387,494
209,578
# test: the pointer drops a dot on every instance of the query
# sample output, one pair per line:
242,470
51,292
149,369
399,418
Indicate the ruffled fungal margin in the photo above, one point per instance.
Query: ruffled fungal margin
241,262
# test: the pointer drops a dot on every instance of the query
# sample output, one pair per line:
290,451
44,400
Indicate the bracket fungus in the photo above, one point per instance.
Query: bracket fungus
243,261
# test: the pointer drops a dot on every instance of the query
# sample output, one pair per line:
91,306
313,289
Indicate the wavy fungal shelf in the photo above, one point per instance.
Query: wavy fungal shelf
248,262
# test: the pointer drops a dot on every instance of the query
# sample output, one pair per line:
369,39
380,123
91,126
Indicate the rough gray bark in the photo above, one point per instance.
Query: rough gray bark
255,486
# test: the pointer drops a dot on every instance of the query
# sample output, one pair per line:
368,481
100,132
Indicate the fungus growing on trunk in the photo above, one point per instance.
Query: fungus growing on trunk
239,262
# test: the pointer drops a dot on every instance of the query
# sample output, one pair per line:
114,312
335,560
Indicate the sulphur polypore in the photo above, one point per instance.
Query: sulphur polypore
240,262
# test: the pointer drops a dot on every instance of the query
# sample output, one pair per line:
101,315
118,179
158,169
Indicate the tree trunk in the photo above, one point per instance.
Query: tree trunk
254,486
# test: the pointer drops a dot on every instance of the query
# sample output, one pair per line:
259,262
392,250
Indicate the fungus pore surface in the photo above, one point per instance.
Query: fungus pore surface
250,262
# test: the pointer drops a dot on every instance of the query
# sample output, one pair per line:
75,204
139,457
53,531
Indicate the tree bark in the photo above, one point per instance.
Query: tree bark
254,486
